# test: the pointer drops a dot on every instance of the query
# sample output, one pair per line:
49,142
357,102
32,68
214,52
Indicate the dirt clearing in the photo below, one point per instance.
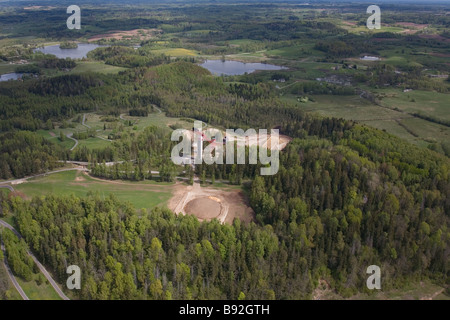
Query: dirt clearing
207,203
204,208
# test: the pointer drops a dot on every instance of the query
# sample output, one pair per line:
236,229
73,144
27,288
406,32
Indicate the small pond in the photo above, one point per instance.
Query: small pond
77,53
10,76
233,68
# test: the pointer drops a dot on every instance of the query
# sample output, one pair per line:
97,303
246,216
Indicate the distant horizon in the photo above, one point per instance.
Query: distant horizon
234,1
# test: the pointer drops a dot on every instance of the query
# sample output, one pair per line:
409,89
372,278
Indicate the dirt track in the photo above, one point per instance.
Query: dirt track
204,208
207,203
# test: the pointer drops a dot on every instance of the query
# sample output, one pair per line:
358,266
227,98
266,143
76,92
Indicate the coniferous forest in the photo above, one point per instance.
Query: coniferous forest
346,196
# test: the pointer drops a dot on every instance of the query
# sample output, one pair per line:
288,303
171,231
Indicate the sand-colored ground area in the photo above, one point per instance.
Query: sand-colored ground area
251,140
204,208
412,28
207,203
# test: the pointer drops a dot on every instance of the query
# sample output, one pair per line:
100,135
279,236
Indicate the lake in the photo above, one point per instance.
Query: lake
10,76
78,53
233,68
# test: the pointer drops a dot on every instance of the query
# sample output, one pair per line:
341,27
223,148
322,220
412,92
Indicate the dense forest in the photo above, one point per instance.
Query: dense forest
24,153
346,195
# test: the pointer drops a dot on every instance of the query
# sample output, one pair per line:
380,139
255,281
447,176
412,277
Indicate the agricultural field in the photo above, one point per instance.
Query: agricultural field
402,124
176,52
428,103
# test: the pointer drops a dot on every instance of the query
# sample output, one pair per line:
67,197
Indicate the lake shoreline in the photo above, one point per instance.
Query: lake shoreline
229,67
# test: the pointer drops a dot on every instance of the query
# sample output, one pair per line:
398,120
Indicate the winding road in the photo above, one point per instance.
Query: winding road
40,266
69,135
5,184
84,120
8,187
12,277
159,110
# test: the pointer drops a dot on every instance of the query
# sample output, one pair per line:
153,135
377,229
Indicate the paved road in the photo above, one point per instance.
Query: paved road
37,175
89,127
12,277
49,278
8,187
84,120
71,138
40,266
159,110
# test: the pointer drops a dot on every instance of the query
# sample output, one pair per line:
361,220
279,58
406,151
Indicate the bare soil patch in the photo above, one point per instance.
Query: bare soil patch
251,140
80,179
207,203
203,208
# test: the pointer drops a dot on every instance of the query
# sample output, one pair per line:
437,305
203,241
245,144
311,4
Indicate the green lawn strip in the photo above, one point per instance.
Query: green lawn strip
146,194
44,291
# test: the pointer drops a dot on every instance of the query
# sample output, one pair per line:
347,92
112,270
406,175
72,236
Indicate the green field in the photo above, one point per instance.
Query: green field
95,66
176,52
93,143
426,130
38,292
146,194
415,130
429,103
53,136
7,68
358,29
